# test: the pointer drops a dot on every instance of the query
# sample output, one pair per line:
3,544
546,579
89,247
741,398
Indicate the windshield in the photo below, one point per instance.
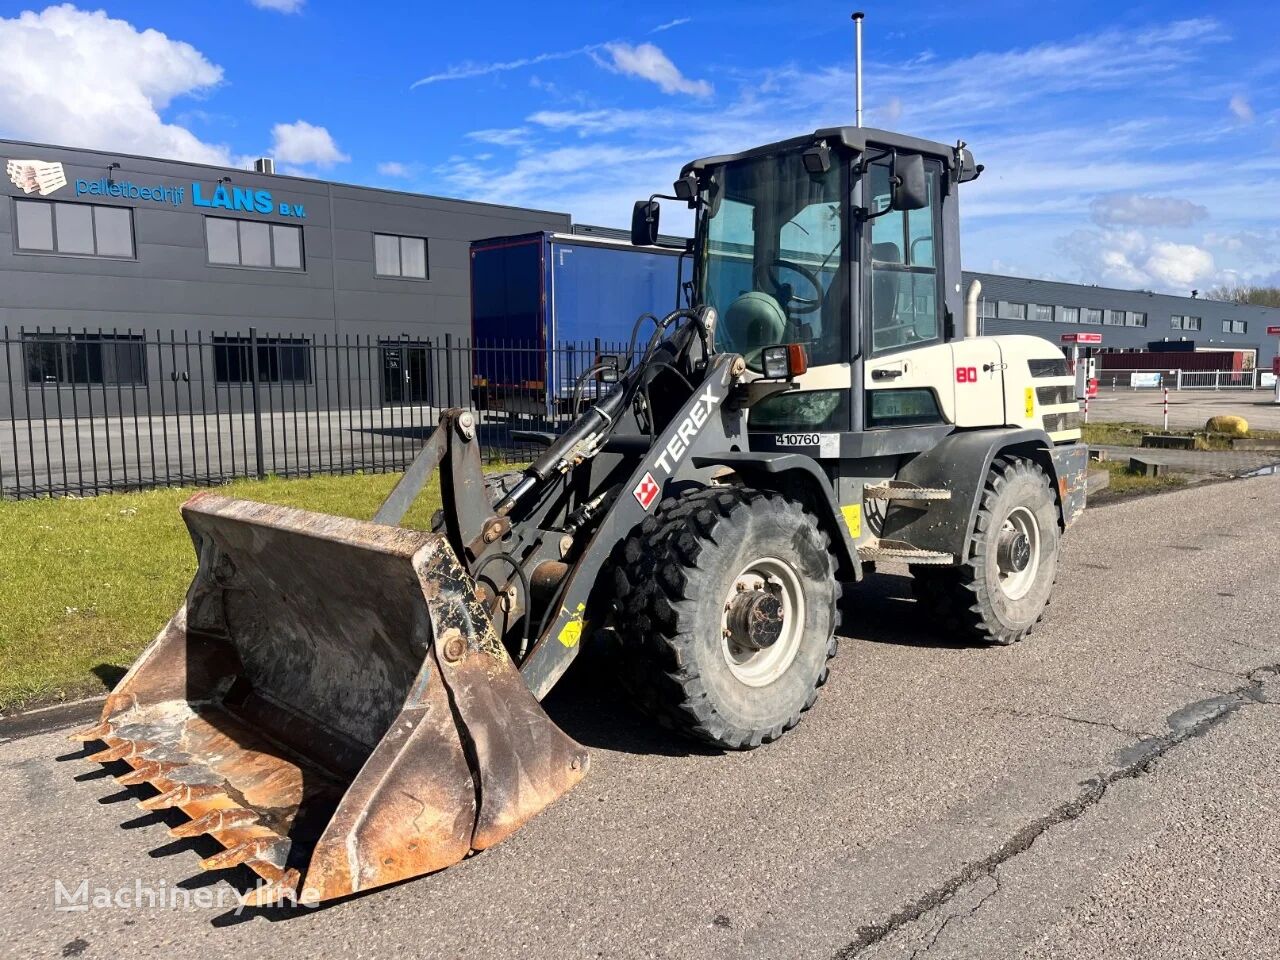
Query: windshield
773,257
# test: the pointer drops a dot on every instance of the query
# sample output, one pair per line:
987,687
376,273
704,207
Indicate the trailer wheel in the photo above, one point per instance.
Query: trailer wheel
999,593
726,614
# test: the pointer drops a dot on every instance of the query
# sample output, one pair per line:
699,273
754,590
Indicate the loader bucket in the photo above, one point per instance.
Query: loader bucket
332,705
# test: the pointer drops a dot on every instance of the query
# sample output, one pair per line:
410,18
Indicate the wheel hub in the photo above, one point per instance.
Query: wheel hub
1018,553
755,620
1014,551
763,619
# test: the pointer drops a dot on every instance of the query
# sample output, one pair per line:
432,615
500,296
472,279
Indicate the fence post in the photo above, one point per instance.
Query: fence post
257,410
448,370
1178,379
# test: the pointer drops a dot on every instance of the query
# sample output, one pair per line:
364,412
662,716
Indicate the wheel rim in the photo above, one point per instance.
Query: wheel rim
1018,553
765,590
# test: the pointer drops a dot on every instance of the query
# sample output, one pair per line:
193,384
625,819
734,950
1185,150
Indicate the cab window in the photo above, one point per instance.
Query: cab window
905,305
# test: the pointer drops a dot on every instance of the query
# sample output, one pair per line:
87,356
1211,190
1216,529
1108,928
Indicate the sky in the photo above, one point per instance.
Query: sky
1130,145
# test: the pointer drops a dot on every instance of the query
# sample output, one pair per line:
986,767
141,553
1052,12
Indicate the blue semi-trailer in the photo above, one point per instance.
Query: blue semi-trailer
544,304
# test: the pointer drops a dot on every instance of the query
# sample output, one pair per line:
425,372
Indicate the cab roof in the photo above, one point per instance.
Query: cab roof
853,139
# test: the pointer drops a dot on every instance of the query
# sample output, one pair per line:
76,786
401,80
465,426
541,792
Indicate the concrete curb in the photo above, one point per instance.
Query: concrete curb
29,723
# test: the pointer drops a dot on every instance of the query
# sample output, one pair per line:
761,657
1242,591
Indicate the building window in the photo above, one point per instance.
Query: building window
280,360
1042,312
1011,311
404,257
1092,315
253,243
1235,326
986,308
1114,318
1180,322
1132,319
78,229
95,358
1068,314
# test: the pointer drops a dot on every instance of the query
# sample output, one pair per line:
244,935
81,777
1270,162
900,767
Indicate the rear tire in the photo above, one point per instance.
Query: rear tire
726,614
1000,591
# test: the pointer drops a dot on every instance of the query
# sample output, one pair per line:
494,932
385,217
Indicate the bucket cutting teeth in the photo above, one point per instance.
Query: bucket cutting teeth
143,772
286,888
269,849
215,821
97,732
118,752
181,794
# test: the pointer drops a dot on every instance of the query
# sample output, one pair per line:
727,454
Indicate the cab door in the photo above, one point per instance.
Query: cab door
908,369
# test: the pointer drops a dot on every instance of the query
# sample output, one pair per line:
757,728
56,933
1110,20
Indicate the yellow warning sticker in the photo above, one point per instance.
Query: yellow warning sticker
853,519
1030,395
571,632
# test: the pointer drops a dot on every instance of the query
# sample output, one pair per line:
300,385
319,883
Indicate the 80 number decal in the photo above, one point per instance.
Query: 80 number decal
966,374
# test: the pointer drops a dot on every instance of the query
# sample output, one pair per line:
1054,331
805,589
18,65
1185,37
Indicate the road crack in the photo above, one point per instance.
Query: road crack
1193,720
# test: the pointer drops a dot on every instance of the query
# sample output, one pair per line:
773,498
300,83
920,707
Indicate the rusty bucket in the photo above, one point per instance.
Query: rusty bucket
332,705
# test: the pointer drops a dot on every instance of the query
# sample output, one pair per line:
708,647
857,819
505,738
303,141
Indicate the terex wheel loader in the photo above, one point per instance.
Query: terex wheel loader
345,704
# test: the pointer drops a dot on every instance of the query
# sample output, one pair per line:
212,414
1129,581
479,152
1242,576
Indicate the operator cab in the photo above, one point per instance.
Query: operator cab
834,242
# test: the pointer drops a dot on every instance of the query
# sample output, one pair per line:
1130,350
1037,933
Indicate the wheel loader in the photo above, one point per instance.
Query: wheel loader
344,704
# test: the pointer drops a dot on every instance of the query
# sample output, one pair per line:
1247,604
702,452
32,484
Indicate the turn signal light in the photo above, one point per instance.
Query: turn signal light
784,361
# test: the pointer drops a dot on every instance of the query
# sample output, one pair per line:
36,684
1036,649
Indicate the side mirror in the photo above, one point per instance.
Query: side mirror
644,223
910,188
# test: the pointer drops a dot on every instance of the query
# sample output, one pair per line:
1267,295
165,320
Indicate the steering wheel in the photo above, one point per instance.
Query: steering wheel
803,304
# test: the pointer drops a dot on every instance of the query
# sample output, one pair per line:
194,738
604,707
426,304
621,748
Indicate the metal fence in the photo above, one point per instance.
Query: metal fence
86,412
1176,379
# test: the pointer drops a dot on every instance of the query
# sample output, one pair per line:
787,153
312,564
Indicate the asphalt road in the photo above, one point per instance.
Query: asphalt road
1188,409
1106,788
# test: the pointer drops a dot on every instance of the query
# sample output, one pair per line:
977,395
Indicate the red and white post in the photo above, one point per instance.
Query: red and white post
1275,361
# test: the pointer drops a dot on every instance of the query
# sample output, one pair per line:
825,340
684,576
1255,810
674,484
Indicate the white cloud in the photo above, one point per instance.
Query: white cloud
678,22
1136,210
394,168
81,78
649,63
1129,258
501,136
1240,108
468,69
1132,115
304,144
280,6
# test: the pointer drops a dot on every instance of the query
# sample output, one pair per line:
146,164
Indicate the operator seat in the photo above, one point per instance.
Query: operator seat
884,287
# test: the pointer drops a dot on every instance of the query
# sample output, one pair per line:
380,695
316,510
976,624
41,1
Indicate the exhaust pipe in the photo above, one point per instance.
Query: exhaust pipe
971,309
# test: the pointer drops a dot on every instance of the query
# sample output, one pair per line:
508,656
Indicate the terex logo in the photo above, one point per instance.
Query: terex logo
687,430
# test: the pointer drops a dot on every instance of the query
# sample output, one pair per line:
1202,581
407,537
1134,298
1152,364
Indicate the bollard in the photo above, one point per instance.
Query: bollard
1166,409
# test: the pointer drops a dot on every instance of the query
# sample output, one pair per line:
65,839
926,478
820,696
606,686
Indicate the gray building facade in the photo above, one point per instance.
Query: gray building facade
139,247
1127,319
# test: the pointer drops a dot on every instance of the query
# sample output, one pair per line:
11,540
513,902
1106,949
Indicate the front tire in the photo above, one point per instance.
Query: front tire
726,614
1000,591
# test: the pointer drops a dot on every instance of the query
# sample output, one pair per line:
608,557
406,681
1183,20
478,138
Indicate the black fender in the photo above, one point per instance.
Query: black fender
960,463
800,478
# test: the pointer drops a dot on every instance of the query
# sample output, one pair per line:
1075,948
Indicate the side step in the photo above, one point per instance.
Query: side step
882,550
902,490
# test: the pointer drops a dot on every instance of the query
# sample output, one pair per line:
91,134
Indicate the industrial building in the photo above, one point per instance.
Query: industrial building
1128,320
